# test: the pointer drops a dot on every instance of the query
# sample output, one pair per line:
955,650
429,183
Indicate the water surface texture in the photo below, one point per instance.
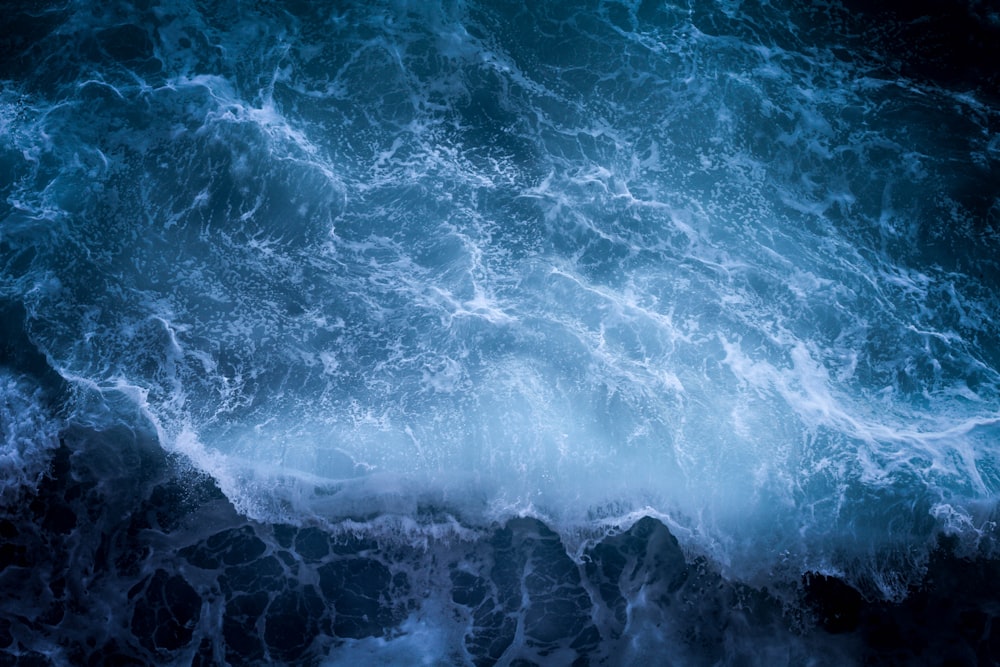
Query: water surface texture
450,317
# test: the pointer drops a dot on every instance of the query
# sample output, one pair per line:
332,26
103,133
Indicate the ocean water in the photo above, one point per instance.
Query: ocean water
497,331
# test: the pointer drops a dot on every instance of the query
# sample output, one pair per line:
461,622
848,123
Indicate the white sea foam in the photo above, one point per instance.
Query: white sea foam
417,258
28,433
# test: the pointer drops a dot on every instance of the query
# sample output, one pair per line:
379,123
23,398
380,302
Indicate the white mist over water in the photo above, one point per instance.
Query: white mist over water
580,264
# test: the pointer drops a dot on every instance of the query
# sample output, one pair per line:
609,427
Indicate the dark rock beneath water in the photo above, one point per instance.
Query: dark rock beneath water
187,580
953,617
293,622
166,612
312,544
360,591
240,627
837,605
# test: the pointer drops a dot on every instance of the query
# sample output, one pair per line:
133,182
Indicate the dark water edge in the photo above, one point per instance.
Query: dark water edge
123,555
953,43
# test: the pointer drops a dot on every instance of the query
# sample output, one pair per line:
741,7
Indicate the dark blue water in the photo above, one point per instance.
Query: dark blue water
499,332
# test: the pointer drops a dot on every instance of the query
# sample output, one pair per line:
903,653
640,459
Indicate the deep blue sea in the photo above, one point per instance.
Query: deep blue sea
499,332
